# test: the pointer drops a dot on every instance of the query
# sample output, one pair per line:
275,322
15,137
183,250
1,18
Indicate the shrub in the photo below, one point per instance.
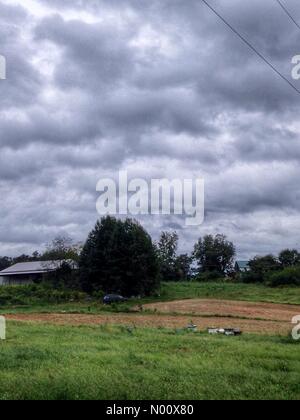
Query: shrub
98,295
65,277
252,277
210,276
37,294
287,277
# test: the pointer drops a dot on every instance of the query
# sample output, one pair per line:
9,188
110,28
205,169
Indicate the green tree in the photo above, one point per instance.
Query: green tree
5,262
289,258
214,254
183,267
119,257
62,248
167,254
26,258
64,277
260,268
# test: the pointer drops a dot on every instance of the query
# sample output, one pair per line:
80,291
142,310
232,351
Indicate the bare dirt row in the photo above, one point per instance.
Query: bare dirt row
261,318
158,321
228,308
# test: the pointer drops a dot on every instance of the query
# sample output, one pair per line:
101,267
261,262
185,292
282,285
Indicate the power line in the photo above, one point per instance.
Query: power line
260,55
288,13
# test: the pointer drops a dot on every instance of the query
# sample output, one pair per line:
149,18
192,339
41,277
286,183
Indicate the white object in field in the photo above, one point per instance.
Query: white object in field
225,331
2,328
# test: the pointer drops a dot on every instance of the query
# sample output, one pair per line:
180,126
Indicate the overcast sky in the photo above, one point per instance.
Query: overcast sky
160,88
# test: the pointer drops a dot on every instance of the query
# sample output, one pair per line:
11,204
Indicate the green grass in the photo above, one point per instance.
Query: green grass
230,291
169,292
50,362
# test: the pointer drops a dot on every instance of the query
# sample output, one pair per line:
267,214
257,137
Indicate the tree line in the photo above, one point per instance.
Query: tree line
119,256
274,271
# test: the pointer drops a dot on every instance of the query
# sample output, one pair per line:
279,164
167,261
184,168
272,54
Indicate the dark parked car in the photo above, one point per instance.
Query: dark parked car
109,299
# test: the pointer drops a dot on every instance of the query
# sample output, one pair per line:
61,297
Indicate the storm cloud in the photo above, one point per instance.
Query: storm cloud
161,89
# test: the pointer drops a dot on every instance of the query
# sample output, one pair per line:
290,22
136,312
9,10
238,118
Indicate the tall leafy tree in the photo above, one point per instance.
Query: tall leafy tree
61,248
263,265
289,258
167,252
260,268
184,267
214,254
119,257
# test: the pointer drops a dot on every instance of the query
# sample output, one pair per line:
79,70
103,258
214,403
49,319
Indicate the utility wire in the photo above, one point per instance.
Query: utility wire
260,55
288,13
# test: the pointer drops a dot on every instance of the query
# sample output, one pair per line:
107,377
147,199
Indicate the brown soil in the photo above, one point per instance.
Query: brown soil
223,308
264,318
156,321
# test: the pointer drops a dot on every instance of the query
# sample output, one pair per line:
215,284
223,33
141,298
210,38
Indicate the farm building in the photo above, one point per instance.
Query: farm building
240,266
30,272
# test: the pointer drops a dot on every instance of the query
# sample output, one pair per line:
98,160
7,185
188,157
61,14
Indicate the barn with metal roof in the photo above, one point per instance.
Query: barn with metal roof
29,272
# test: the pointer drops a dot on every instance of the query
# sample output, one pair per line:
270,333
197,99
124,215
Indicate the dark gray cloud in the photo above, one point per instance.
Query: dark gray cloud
162,89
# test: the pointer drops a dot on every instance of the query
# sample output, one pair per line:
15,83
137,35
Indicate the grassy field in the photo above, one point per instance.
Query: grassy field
46,361
168,292
50,362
